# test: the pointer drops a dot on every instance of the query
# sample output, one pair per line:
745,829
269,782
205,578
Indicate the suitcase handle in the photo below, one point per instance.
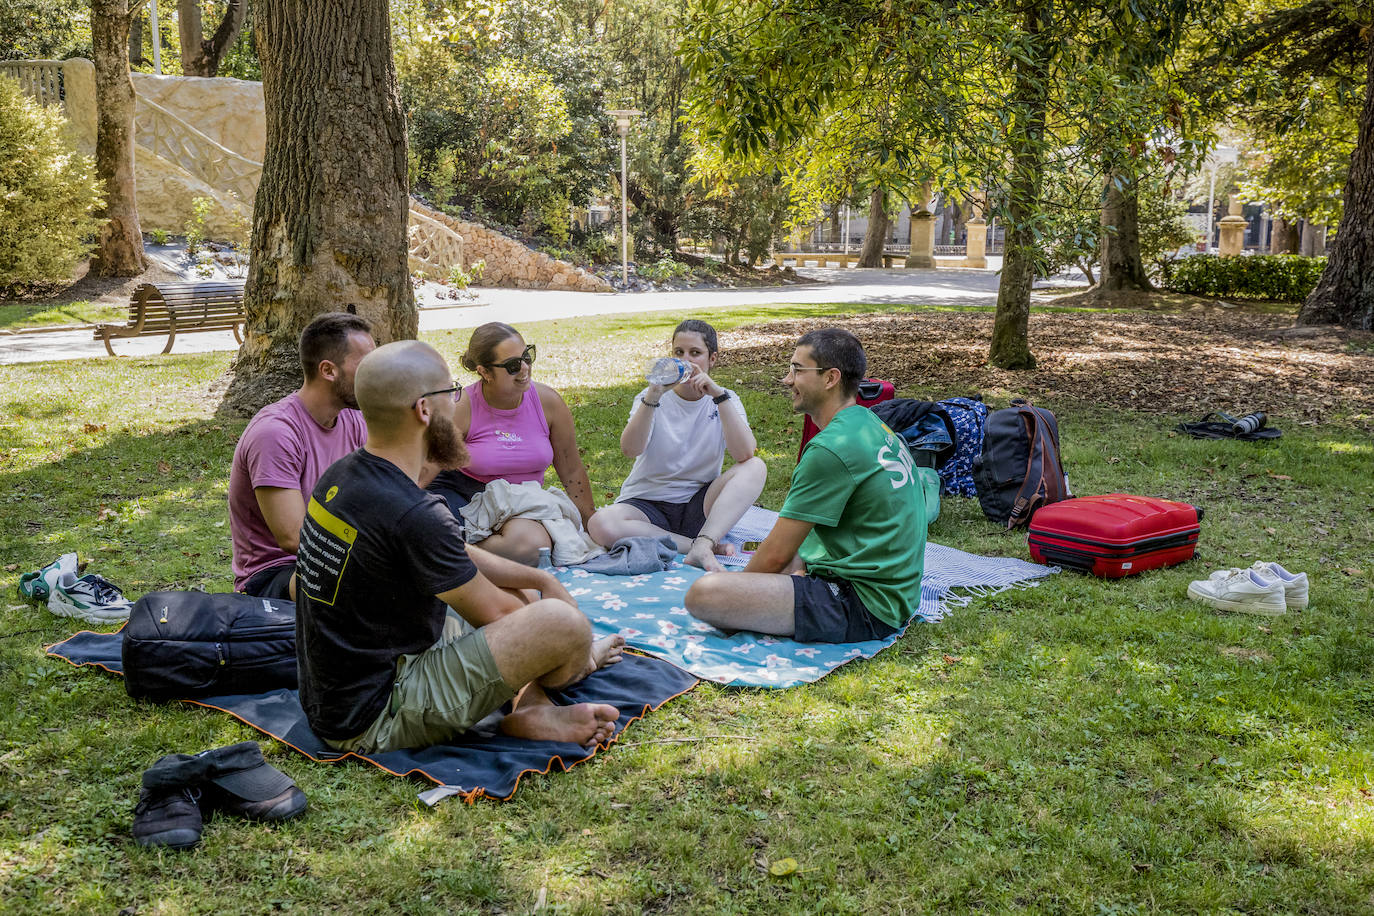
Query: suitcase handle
1076,562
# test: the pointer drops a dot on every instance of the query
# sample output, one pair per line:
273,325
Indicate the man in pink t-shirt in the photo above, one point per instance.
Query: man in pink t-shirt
287,446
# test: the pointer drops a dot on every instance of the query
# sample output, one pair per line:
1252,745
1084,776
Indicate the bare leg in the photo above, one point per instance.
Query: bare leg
729,497
760,602
612,523
548,644
519,539
536,717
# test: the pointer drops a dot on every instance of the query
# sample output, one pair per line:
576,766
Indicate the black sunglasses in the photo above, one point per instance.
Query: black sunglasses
456,391
512,365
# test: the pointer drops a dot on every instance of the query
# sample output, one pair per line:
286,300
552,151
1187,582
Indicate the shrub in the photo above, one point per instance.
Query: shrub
47,194
663,269
1285,277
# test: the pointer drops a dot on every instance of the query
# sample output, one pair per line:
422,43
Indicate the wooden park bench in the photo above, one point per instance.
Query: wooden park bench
170,308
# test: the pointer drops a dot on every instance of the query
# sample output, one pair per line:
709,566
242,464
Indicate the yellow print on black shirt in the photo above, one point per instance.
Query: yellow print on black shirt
326,542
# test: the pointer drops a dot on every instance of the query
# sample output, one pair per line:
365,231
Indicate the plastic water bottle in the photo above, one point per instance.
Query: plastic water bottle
1249,423
667,370
545,558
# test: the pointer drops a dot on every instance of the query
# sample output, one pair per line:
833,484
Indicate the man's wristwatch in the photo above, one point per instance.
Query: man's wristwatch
721,398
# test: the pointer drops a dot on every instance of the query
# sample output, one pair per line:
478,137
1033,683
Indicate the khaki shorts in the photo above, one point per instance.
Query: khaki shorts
438,694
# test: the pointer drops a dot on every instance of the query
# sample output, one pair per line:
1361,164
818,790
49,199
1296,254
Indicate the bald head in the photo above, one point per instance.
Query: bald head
391,378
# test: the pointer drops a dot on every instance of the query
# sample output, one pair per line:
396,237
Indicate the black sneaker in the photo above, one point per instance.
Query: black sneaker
288,803
170,818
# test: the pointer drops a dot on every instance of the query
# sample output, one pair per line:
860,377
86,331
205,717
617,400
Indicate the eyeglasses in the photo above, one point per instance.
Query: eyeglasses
512,365
456,391
793,369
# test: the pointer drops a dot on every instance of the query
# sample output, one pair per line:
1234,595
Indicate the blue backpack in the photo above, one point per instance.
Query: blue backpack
970,417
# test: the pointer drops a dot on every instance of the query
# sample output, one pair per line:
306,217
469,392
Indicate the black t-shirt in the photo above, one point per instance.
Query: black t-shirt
375,549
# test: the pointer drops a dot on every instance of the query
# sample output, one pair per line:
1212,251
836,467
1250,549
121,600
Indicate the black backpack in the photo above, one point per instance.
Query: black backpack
179,645
1019,469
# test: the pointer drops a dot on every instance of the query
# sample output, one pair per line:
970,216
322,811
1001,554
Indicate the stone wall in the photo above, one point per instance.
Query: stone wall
228,111
512,264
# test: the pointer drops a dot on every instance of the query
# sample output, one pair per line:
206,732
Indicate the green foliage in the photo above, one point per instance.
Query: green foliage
462,279
504,111
195,227
663,269
47,194
1285,277
44,29
159,236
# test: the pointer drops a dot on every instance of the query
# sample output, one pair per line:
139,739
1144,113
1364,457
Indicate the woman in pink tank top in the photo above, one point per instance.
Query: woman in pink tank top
514,428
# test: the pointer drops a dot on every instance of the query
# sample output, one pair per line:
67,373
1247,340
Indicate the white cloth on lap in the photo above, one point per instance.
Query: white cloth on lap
502,501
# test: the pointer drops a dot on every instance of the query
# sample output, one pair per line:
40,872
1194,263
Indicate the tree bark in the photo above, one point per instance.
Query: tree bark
329,221
875,236
201,56
119,244
1283,237
1010,347
1122,267
1345,293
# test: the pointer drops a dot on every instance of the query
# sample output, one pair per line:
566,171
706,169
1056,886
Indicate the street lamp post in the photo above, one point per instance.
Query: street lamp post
623,117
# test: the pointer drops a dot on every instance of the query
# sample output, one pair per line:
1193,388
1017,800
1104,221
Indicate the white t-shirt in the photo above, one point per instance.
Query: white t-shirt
685,450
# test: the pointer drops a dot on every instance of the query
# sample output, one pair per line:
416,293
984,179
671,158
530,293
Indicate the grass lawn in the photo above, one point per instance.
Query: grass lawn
17,315
1082,747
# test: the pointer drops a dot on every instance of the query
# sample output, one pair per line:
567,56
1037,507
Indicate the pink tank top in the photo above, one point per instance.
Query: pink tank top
512,445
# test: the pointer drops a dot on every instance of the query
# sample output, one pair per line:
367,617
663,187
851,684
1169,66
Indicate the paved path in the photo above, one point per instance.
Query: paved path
515,306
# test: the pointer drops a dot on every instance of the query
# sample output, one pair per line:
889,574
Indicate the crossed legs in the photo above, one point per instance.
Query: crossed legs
727,499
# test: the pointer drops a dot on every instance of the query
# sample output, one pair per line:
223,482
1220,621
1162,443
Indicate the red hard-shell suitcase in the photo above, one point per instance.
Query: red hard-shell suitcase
1114,535
871,391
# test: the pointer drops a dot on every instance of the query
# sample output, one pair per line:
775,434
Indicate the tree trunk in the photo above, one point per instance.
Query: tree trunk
329,221
1010,348
1345,293
1122,267
119,244
835,229
875,236
1283,237
201,56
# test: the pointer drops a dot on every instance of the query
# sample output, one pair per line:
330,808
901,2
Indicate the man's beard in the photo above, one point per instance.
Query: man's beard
343,392
443,445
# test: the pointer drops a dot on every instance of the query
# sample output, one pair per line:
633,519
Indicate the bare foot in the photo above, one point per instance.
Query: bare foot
701,555
538,719
726,549
606,651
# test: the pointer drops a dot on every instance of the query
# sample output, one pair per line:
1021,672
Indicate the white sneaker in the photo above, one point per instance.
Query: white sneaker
38,585
1294,584
1245,591
91,598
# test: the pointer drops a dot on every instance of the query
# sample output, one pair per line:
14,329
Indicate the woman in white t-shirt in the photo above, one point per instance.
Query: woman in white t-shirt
678,436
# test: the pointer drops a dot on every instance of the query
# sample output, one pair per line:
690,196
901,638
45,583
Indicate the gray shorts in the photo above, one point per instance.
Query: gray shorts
438,694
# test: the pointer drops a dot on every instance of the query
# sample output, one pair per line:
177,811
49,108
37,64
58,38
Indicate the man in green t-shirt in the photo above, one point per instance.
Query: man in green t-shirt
843,563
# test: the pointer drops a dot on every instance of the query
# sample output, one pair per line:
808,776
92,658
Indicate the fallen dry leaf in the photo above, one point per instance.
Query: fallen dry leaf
1352,571
164,468
952,659
93,428
11,567
1279,476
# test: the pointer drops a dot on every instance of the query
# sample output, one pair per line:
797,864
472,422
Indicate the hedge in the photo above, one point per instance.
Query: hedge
1284,277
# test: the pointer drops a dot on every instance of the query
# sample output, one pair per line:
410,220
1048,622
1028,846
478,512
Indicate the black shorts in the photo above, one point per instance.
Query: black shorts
685,519
272,582
828,610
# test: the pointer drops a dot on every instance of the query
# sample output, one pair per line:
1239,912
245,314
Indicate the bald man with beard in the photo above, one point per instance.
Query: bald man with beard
402,642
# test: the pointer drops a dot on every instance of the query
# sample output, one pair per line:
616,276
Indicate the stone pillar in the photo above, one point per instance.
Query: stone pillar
922,239
78,83
1232,228
976,254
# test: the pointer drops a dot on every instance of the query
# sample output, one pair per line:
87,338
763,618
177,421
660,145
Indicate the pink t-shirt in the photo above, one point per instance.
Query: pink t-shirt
511,445
282,446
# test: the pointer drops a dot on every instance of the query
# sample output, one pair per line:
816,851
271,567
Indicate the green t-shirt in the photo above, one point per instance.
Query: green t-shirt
857,484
